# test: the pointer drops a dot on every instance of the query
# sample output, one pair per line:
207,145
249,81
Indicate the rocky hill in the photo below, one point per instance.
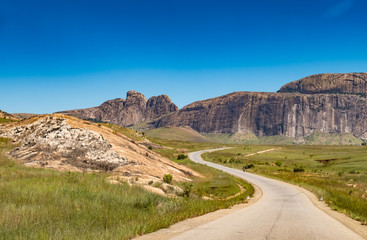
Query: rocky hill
124,112
68,144
326,103
343,83
5,115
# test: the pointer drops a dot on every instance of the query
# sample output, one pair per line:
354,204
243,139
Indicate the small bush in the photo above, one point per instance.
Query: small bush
354,172
299,168
167,178
150,147
181,156
251,165
278,163
187,187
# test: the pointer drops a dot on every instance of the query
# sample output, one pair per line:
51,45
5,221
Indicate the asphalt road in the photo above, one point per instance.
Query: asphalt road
283,212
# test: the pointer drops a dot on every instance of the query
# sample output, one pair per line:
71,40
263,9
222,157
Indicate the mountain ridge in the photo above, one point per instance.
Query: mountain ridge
125,112
289,112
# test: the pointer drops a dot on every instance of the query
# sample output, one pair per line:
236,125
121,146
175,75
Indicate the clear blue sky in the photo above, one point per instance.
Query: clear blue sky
66,54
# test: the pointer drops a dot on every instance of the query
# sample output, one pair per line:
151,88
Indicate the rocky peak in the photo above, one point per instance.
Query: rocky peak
343,83
135,109
134,98
160,105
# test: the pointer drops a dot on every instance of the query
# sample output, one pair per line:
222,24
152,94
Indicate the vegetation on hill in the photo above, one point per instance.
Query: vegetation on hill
176,133
5,120
337,173
40,203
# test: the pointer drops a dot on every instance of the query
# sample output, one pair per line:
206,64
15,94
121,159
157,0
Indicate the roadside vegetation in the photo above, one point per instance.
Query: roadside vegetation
338,174
45,204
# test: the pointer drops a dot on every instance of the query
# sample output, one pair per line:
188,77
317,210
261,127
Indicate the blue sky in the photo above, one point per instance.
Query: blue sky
63,54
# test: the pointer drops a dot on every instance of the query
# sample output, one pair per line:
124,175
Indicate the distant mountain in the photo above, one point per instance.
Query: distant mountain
325,103
125,112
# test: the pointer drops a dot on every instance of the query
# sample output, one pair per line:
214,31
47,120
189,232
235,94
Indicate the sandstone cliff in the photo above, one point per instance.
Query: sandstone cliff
289,112
124,112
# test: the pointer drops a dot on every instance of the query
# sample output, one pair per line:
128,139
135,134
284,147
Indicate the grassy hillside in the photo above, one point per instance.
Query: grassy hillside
338,173
5,120
45,204
176,133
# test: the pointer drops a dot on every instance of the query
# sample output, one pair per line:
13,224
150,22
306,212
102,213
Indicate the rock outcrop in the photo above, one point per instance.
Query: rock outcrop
51,139
68,144
343,83
333,104
124,112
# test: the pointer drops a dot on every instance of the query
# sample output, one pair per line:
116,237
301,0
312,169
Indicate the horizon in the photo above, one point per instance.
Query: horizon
78,54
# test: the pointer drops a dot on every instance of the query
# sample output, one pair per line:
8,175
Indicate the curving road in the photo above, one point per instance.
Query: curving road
283,212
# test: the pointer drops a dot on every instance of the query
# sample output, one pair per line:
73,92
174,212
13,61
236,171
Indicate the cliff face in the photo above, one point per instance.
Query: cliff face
344,83
286,113
132,110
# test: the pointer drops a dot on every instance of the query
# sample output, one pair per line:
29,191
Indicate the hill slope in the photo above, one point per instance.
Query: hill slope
69,144
176,133
7,116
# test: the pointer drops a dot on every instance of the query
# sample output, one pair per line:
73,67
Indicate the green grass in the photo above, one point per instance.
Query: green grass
176,133
132,134
316,138
45,204
339,173
5,120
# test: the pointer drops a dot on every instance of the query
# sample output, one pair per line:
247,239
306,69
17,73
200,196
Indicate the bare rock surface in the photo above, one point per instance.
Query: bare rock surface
52,139
68,144
343,83
124,112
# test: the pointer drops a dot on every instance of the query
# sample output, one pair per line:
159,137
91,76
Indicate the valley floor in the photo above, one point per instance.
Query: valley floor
336,174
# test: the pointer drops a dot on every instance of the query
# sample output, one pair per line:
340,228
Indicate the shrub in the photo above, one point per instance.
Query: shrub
167,178
251,165
187,187
354,172
150,147
278,163
299,168
181,156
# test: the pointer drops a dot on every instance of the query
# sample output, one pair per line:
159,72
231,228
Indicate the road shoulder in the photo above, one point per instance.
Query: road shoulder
183,226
